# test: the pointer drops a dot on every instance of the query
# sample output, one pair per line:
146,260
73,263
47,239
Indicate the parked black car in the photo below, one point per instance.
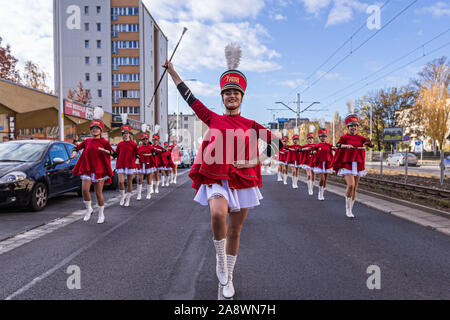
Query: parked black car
32,171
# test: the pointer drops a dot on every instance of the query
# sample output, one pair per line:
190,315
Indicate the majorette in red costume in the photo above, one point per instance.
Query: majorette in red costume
294,160
323,161
146,166
307,161
157,159
166,157
126,166
283,155
349,160
94,166
227,177
176,157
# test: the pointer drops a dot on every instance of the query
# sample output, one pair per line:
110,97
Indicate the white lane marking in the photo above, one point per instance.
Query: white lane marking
81,250
36,233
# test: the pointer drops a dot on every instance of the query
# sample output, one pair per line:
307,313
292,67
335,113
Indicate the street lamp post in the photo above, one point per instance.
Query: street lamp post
58,5
370,131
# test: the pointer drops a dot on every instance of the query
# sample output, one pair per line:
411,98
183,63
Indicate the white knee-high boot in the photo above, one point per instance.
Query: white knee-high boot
348,211
89,210
228,290
139,191
157,187
122,197
149,191
279,176
127,199
221,261
101,215
163,180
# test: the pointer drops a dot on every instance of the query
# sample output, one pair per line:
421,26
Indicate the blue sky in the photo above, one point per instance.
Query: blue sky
283,42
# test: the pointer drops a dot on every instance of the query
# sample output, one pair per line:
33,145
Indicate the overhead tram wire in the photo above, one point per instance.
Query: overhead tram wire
362,44
386,66
335,52
395,70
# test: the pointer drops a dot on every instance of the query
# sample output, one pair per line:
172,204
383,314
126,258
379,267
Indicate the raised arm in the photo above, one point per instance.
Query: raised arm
200,110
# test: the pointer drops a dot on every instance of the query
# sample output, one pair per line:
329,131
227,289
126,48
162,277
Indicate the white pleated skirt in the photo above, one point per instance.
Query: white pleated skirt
237,198
145,170
322,170
127,171
354,171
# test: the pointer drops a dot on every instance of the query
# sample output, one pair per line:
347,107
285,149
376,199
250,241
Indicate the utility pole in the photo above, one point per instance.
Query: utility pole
58,5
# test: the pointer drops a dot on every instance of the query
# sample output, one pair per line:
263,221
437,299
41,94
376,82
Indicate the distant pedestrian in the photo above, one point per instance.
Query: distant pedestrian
94,167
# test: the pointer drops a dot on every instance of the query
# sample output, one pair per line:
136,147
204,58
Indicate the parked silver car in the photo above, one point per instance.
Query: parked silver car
399,159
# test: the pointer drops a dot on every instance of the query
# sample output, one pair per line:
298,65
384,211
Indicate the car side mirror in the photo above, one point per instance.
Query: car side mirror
57,161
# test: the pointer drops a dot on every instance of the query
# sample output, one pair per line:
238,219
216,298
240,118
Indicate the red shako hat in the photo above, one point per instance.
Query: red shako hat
285,138
145,135
310,135
125,128
233,78
351,119
295,137
322,132
166,144
98,124
155,137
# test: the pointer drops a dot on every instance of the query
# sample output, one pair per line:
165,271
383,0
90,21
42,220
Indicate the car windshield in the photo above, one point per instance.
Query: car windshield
21,152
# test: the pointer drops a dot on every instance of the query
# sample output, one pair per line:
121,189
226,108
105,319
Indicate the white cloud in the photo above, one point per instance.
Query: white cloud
294,83
211,26
277,17
28,27
439,9
341,11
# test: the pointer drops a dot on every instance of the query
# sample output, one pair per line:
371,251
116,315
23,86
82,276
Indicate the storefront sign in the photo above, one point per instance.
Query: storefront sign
78,110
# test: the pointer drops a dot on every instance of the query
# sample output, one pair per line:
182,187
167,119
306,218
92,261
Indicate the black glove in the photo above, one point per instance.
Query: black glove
154,153
299,150
338,145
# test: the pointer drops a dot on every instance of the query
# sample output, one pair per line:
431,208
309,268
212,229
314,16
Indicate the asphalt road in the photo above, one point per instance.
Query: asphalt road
292,247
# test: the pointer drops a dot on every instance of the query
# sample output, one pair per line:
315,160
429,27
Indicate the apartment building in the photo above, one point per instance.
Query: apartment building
116,49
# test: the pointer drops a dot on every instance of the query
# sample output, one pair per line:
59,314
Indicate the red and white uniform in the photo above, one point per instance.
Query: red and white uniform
176,154
350,161
283,155
160,161
93,164
126,157
294,156
307,159
168,157
323,158
146,163
213,172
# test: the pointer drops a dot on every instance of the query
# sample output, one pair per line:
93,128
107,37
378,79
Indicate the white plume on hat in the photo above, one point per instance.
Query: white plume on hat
284,132
312,128
124,117
322,123
295,130
233,55
351,106
144,127
98,113
157,127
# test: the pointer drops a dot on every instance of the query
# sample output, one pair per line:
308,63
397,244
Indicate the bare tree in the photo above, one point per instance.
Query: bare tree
34,77
8,64
80,95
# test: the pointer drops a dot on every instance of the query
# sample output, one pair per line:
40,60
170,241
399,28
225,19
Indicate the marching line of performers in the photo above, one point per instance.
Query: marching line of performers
147,159
346,159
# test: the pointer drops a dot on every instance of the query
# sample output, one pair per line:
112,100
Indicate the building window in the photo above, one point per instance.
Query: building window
99,60
136,110
99,92
185,118
86,10
185,125
99,27
86,27
99,76
99,9
87,60
99,44
87,76
86,44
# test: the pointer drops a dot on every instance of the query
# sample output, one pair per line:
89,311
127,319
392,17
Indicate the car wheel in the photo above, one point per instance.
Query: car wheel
39,197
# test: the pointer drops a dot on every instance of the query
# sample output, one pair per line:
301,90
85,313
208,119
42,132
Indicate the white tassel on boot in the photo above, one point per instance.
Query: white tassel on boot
101,215
157,187
139,191
127,199
89,210
149,191
221,261
122,197
228,290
